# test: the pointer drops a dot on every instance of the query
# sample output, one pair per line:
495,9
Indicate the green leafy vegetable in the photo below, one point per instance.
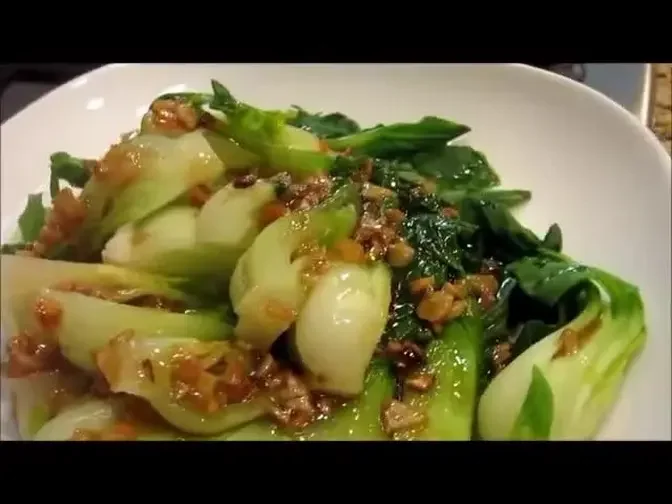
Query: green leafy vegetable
536,414
438,253
264,123
74,171
498,230
547,279
400,139
412,187
496,318
509,198
403,323
456,167
437,248
255,431
401,178
553,239
165,168
438,242
324,126
32,218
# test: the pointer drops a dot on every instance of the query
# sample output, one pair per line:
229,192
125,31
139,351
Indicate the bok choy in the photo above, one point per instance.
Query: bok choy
230,272
342,322
182,240
563,386
170,373
266,288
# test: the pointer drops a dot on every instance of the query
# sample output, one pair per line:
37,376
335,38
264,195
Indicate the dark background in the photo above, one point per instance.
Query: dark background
21,84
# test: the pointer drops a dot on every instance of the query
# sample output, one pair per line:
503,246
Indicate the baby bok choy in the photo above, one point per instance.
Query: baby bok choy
141,175
156,170
82,306
164,242
185,241
340,325
39,397
201,388
562,387
87,324
266,133
23,277
231,217
266,288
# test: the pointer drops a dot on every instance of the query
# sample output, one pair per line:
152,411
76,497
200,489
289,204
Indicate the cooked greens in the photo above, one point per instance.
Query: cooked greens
81,336
266,288
233,273
454,359
400,140
32,218
75,171
342,321
563,385
324,125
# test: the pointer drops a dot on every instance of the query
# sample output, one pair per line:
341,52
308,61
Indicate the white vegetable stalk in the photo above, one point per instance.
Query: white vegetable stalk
341,323
92,414
185,241
266,288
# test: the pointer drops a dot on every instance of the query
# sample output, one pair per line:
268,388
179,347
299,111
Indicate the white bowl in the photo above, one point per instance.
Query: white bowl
592,167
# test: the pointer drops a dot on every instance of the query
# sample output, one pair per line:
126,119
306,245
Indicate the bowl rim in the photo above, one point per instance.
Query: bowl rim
541,73
629,117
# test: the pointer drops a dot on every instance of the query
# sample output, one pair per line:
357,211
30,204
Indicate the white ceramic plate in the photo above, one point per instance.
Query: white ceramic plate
592,167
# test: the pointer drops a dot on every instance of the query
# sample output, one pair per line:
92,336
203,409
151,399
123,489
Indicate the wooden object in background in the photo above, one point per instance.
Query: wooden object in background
661,103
